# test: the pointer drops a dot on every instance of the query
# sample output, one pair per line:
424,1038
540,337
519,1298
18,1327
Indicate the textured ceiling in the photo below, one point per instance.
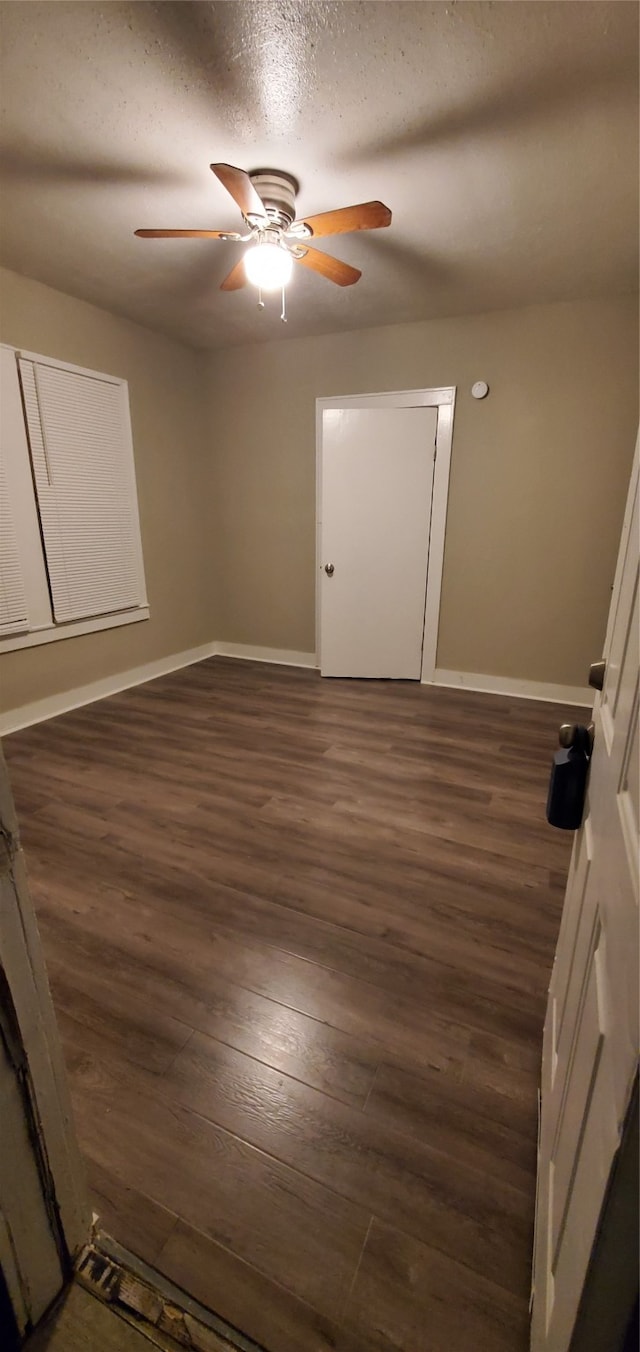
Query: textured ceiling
503,136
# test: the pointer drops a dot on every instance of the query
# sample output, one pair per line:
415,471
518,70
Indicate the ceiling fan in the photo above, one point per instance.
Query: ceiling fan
267,199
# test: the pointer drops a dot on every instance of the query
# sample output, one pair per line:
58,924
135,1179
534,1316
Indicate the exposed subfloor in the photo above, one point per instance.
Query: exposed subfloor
299,934
80,1323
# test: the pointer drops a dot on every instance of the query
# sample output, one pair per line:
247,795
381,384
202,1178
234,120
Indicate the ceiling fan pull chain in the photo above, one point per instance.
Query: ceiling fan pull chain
283,316
260,300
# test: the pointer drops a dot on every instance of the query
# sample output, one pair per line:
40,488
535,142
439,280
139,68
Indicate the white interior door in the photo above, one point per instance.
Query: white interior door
591,1030
375,513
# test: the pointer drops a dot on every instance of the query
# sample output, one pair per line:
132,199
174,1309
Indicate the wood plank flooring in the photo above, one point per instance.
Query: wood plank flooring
299,934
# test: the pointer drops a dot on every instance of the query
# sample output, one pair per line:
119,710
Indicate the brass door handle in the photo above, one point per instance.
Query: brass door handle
596,674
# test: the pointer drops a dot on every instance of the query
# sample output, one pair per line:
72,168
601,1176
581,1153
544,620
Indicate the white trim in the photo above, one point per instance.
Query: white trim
62,703
508,685
110,685
41,627
624,543
36,637
67,366
283,657
443,398
433,398
439,500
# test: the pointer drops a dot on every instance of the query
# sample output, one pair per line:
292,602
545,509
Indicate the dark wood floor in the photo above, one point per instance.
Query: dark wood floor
299,934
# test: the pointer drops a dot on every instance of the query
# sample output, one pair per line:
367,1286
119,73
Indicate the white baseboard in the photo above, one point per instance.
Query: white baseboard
42,709
506,685
283,657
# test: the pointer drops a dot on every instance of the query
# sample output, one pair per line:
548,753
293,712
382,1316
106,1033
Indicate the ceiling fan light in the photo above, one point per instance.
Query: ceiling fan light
268,266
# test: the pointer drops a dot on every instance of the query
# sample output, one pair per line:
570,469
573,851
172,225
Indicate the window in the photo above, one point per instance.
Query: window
70,553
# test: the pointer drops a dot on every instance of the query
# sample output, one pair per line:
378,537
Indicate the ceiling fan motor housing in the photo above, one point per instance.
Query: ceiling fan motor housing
278,192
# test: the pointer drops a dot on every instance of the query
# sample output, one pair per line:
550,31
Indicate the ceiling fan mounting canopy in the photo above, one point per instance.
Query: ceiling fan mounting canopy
267,201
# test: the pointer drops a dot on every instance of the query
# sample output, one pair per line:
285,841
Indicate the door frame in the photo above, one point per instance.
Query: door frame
443,398
60,1218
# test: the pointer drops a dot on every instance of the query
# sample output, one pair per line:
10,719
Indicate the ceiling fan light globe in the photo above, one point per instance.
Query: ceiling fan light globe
268,266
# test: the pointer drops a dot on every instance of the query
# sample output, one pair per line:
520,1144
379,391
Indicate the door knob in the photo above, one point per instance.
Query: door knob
569,775
576,736
596,674
329,569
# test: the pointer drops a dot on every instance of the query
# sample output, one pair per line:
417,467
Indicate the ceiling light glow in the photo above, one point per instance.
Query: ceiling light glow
268,266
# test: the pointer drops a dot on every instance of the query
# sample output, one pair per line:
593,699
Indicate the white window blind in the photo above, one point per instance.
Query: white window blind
13,601
85,490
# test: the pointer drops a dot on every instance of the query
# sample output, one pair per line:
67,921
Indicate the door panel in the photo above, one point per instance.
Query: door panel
590,1045
375,512
588,1189
579,1086
624,630
566,985
629,796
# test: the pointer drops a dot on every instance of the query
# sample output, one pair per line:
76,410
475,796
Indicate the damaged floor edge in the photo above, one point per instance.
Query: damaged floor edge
146,1298
147,1303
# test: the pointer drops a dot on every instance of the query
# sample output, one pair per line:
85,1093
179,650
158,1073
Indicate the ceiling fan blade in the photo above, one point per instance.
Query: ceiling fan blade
186,234
239,185
331,268
235,279
366,216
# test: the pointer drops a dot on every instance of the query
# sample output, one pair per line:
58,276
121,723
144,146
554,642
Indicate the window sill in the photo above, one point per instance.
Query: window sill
37,637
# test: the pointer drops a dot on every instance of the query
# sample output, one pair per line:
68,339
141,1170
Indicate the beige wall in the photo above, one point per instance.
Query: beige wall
165,392
225,462
538,479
